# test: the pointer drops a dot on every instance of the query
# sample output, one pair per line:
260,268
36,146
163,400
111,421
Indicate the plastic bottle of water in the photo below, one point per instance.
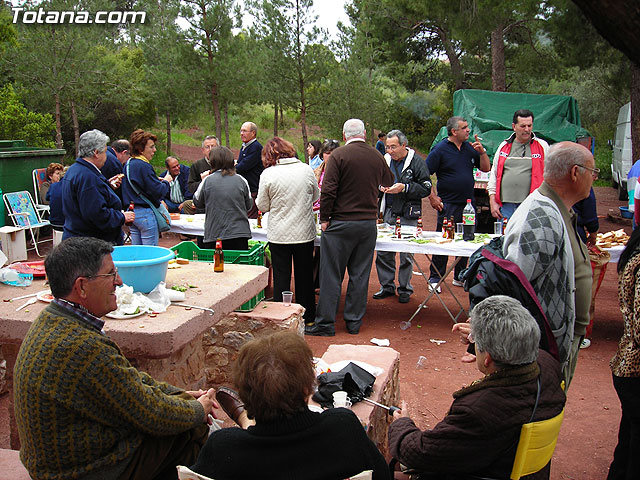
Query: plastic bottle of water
12,277
468,221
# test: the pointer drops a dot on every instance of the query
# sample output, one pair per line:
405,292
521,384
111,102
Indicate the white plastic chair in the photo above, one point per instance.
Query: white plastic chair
21,208
185,473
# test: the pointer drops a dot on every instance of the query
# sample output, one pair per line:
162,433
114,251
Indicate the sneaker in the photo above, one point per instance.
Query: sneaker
457,283
432,287
585,343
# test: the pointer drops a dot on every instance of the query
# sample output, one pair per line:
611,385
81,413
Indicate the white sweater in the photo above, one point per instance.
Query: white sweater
287,191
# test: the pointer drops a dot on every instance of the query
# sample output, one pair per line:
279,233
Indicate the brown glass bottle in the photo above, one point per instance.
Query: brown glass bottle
218,257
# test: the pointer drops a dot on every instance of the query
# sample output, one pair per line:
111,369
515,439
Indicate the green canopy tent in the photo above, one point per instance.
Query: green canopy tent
490,115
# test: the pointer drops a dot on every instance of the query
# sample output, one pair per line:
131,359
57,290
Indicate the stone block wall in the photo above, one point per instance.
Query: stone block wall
206,361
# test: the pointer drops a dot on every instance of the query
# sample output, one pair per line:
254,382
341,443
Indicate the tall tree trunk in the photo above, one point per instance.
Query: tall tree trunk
454,61
498,69
275,119
635,112
215,102
226,123
76,127
281,116
168,116
56,96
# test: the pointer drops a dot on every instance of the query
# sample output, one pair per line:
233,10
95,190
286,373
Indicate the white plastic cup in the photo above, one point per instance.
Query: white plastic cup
340,399
286,299
459,228
497,228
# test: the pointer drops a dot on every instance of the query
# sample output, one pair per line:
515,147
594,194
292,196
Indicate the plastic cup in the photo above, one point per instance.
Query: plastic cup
459,228
286,299
497,228
340,399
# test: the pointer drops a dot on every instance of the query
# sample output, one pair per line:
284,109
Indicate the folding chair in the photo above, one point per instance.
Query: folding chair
39,176
536,446
23,213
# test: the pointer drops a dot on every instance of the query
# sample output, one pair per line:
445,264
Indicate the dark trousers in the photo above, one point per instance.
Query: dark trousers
253,211
626,457
440,261
229,244
302,255
345,245
157,456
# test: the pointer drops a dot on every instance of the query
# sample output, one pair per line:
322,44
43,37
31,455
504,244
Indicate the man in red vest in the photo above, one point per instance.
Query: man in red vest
518,166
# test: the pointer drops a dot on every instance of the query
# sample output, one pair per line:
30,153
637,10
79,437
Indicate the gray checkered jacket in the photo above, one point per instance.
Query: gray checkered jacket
537,241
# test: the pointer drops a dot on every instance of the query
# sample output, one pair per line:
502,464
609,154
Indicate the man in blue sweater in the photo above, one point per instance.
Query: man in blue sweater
90,206
250,162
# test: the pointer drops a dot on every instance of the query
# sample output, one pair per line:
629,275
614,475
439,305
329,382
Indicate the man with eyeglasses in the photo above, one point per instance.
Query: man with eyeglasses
518,166
82,410
250,162
541,238
403,199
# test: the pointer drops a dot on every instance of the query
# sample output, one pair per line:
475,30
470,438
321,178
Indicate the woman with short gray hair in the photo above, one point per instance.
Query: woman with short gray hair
479,436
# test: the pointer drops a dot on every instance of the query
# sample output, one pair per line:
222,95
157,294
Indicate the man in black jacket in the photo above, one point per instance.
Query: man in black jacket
403,199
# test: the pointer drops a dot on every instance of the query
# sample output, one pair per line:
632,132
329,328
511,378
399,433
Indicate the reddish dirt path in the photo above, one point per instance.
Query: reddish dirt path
589,432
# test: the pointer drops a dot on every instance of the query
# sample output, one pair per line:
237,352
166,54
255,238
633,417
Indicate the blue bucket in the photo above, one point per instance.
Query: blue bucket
142,266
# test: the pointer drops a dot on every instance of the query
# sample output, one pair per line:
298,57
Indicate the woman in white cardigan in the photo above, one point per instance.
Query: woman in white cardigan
287,191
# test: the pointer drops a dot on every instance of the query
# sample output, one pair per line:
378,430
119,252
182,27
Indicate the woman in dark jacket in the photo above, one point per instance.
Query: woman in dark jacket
625,365
479,436
139,172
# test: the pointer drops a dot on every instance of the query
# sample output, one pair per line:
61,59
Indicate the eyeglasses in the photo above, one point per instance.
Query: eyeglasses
392,147
333,144
112,275
594,171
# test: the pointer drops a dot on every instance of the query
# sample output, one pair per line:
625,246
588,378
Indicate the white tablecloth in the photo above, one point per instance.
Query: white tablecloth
194,225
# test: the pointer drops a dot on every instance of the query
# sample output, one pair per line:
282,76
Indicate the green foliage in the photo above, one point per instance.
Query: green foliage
603,157
18,123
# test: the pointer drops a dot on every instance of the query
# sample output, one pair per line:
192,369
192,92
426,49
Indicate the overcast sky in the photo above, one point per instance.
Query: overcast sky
329,12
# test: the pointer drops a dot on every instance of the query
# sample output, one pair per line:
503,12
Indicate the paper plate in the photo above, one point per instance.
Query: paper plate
123,316
44,296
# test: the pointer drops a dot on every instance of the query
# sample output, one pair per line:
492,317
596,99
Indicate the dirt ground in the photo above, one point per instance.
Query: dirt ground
589,432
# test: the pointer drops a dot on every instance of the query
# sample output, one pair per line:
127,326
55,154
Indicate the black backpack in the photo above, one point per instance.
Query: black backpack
489,273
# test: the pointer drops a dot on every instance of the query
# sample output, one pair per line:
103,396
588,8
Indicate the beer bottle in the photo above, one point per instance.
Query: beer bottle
259,224
504,225
218,257
445,225
419,228
131,207
398,225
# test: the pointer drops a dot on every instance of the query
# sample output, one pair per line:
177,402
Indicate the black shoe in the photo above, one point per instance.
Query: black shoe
383,293
316,331
403,298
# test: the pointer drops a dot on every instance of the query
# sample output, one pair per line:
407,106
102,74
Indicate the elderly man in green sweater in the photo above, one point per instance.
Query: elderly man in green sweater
82,410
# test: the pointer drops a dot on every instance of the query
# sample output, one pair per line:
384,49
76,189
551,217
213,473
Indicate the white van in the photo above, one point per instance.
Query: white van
621,161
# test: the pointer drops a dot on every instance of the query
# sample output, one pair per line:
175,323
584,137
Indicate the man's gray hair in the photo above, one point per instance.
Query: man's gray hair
452,124
210,137
561,157
402,138
353,128
90,142
74,257
502,327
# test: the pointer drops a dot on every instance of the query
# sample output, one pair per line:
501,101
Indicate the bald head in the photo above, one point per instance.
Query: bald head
570,170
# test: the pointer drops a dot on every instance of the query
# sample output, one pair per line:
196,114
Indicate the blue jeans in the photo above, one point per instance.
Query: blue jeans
507,209
144,230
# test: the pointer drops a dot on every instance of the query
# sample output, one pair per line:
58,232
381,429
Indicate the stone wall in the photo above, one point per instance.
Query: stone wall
206,361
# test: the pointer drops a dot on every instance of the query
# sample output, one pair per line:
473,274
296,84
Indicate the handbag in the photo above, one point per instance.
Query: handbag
353,379
163,218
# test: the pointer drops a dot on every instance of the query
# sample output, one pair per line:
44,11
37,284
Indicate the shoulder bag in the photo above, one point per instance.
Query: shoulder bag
163,218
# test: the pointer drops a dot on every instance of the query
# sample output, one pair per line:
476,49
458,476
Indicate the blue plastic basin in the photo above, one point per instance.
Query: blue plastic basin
624,211
142,266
